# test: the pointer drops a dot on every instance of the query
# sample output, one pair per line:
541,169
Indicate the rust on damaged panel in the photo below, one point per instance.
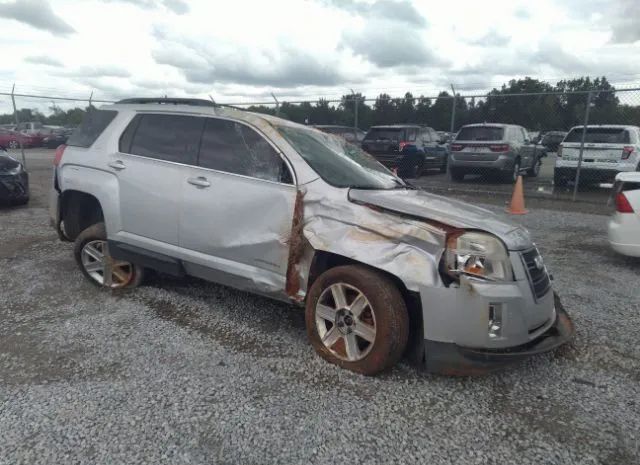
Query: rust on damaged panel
296,249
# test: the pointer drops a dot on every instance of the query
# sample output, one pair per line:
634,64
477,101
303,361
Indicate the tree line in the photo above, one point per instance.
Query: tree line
558,107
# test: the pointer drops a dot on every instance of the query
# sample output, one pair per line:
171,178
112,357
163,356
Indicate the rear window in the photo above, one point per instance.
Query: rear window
599,136
481,133
392,134
94,122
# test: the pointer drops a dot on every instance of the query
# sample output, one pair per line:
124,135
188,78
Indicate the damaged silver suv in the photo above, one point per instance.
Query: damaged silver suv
188,187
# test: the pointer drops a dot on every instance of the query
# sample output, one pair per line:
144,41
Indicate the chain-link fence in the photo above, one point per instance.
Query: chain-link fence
473,144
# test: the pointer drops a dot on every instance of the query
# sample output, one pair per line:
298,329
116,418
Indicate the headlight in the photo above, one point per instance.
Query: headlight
479,255
12,171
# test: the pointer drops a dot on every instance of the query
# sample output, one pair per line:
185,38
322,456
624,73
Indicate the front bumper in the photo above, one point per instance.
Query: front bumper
591,173
451,359
14,188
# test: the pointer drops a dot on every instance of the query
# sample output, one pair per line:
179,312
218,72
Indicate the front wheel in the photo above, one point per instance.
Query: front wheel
13,144
356,318
91,252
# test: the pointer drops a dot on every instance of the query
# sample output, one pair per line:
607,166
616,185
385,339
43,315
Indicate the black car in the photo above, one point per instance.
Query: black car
409,148
14,180
56,138
551,140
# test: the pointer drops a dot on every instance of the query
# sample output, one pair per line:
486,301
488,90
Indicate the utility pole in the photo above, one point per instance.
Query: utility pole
584,135
453,110
355,110
277,105
17,120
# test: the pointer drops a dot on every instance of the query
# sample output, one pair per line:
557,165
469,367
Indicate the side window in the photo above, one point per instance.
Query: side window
235,148
434,135
350,137
411,135
524,134
164,137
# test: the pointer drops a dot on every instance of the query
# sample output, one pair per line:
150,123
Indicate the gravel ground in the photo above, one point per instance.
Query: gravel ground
183,371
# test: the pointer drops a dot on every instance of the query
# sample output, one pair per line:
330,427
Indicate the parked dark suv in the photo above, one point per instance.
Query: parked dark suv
409,148
551,140
348,133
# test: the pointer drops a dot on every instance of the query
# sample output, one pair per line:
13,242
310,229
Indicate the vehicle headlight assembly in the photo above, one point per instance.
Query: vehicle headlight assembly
479,255
13,171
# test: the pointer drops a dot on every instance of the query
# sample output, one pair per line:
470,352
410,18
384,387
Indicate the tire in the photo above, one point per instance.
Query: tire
512,176
92,256
457,174
367,340
534,171
14,144
559,181
411,170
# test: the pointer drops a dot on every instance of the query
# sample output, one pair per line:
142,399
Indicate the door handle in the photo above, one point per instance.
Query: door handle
199,181
117,165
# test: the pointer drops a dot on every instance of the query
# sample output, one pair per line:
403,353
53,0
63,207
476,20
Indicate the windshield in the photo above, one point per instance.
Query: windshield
338,162
599,136
481,133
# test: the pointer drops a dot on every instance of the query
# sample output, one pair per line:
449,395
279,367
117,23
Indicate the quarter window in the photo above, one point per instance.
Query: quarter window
235,148
172,138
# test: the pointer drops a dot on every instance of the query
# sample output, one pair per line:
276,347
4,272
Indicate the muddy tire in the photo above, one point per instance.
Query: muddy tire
457,174
357,319
92,256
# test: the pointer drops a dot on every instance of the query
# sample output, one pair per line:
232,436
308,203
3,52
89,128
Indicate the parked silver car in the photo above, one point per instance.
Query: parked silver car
503,149
280,209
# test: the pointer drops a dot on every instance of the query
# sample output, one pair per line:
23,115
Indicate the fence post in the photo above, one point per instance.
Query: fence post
277,105
90,99
584,135
355,109
453,109
17,120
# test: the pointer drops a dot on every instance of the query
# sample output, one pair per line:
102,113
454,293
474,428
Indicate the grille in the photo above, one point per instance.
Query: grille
538,276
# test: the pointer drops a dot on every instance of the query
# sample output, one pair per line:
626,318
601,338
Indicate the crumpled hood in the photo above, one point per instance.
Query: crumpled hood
452,212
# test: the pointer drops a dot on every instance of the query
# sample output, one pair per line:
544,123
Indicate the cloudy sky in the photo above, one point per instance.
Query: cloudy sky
242,50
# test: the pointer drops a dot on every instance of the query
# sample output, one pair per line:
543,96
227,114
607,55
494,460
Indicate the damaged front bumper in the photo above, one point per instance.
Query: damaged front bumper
451,359
14,188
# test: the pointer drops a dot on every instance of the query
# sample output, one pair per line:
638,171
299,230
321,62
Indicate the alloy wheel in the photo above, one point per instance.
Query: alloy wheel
102,268
345,322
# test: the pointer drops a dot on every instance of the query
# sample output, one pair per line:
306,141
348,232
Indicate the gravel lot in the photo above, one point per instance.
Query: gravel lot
183,371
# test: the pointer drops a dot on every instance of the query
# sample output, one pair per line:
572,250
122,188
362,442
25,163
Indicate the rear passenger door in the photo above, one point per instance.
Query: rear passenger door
237,209
151,163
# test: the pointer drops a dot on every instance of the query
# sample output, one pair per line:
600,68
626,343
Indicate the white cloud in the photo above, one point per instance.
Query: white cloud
244,49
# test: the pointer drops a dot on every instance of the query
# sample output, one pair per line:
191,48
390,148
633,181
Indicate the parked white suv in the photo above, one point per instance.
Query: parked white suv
624,226
277,208
608,150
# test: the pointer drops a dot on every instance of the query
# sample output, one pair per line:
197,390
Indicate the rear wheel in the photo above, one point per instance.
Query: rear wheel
534,171
512,176
559,180
356,318
91,252
457,174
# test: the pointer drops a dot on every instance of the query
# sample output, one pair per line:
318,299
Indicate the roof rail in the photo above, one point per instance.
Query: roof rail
170,101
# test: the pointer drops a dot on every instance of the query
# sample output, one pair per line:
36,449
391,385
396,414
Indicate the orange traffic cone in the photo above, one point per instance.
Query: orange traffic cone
517,199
